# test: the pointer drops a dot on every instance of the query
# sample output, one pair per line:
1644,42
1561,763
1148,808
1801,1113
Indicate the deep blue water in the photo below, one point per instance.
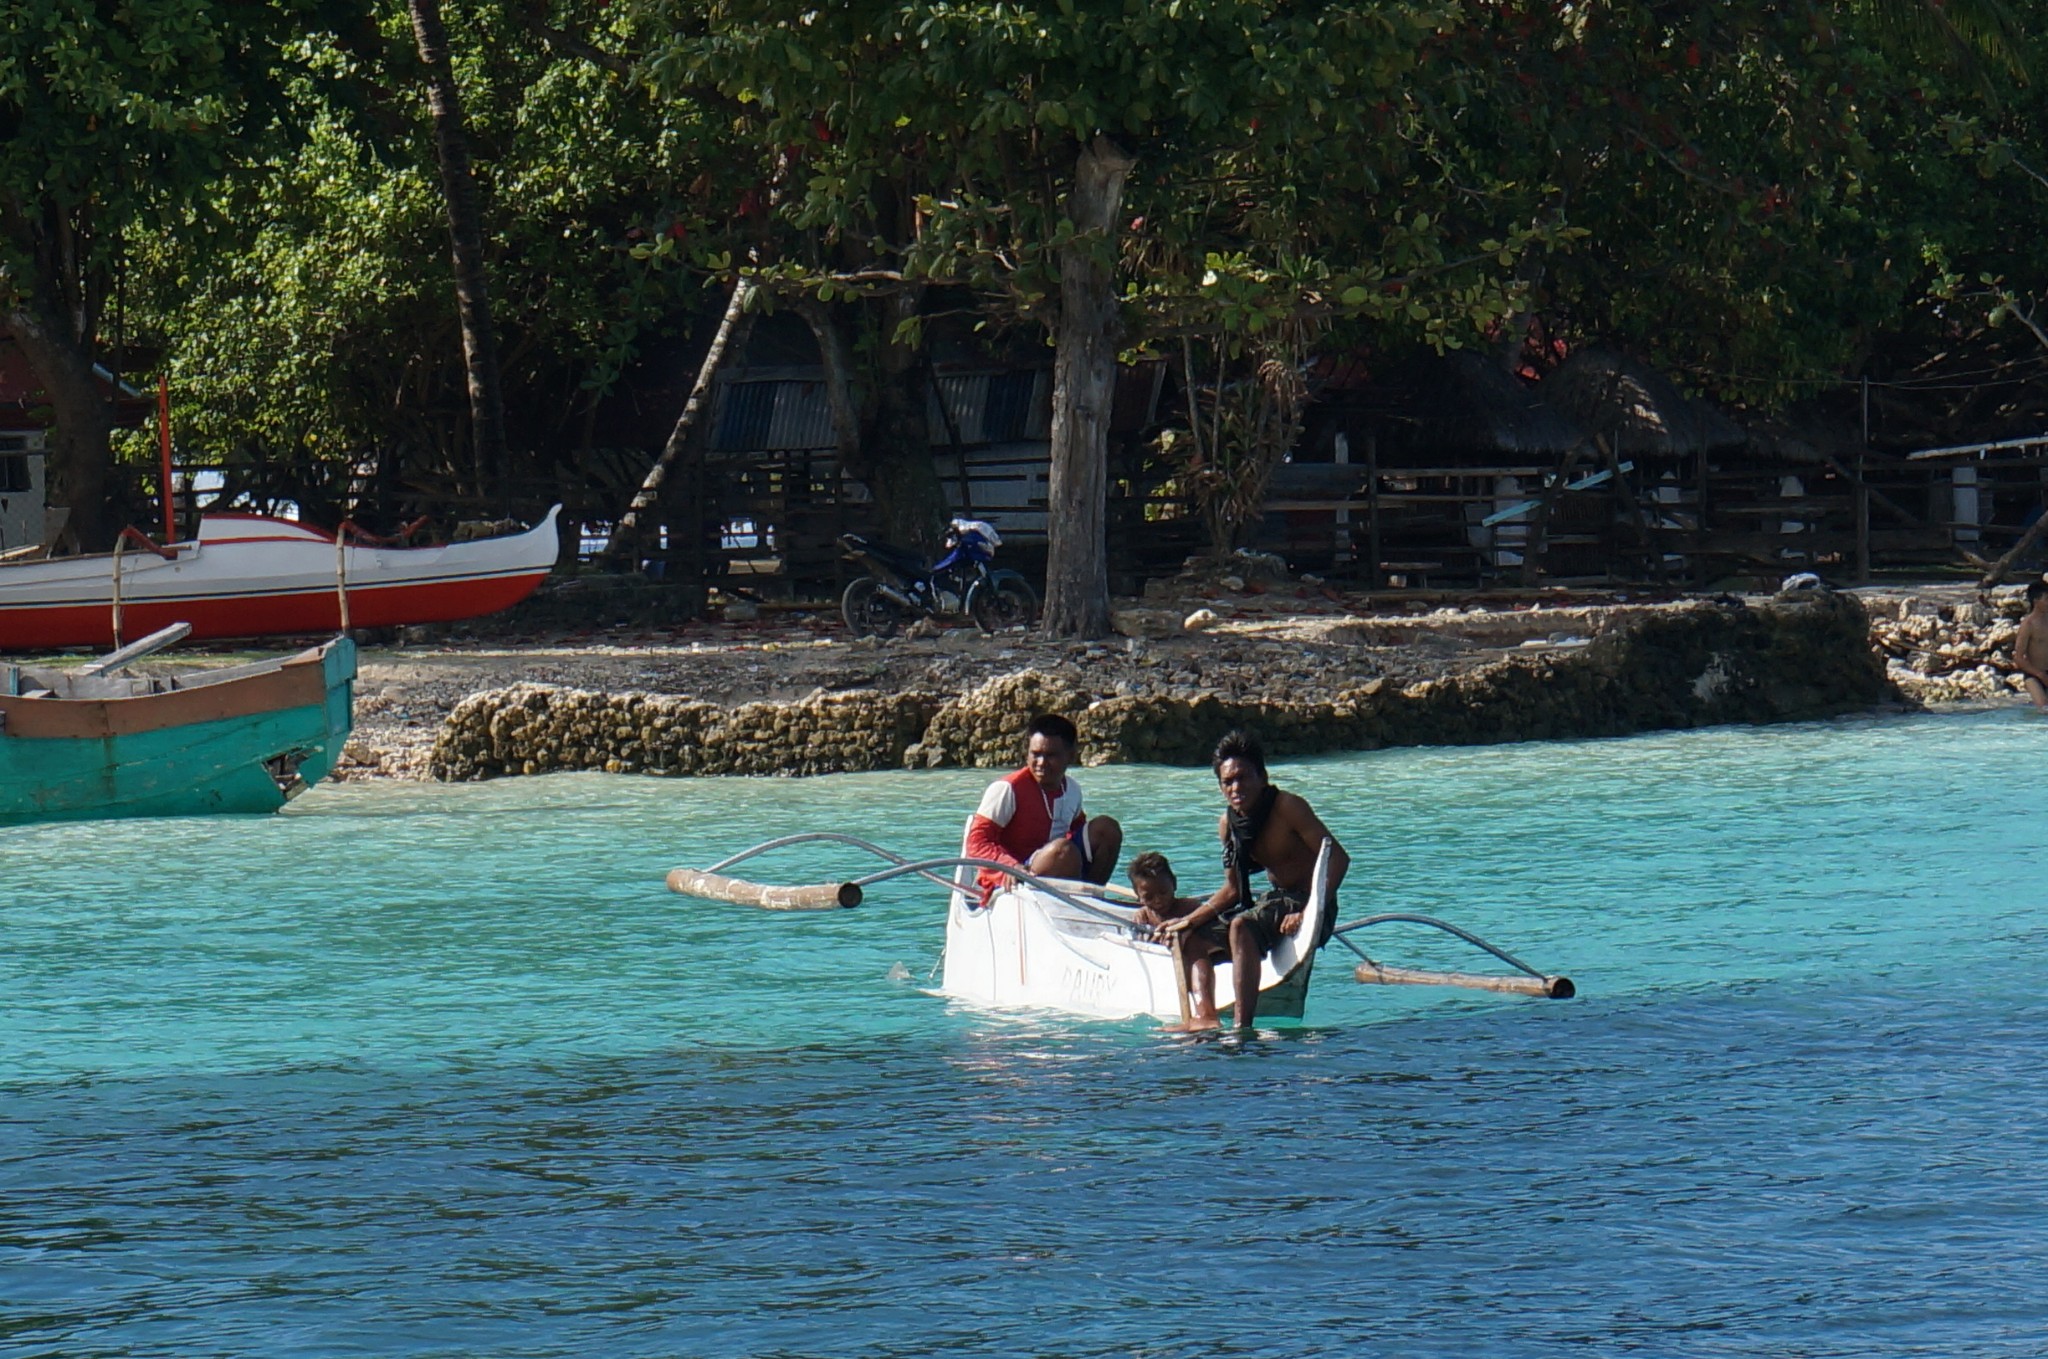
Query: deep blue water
445,1071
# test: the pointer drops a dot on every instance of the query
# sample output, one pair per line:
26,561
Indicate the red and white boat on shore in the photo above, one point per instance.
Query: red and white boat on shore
249,575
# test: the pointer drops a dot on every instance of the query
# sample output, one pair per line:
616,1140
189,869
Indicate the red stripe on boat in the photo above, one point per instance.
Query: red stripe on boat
387,606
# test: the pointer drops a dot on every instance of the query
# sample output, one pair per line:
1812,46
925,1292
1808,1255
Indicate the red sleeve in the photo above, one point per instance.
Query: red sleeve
985,841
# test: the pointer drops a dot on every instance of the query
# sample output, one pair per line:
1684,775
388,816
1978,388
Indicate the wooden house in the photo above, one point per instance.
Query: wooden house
1398,481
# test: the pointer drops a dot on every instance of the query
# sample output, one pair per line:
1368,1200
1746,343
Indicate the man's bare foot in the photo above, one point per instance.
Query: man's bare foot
1198,1024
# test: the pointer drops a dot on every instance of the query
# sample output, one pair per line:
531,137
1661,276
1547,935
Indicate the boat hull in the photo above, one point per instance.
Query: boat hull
253,577
238,746
1028,950
300,614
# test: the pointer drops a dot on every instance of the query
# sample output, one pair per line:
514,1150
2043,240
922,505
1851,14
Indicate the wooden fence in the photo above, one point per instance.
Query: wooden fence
771,522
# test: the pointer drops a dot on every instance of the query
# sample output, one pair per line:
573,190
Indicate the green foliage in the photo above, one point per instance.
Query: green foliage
323,320
1764,185
1285,164
1758,195
122,110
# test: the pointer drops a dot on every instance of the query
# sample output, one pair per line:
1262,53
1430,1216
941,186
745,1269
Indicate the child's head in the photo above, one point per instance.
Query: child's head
2036,591
1152,879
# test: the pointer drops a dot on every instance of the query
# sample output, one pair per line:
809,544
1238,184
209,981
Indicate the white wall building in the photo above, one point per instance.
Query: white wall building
21,488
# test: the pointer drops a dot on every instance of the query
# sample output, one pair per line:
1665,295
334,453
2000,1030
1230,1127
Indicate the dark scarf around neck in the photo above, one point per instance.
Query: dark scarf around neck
1245,829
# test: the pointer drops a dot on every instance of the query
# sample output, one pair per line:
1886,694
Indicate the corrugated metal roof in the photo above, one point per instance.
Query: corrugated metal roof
992,408
784,414
803,417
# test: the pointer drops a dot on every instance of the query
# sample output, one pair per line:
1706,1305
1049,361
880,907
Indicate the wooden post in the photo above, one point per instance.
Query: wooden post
163,429
1372,510
1627,498
1539,525
1340,538
120,545
1863,495
1180,980
952,438
341,575
1862,520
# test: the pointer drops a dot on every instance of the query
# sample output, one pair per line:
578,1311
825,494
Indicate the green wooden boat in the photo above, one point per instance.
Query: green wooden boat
94,742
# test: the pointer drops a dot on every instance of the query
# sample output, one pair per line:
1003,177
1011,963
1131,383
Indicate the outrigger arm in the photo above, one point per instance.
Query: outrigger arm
711,884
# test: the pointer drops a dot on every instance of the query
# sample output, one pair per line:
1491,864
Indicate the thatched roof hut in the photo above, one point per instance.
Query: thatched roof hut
1639,411
1460,409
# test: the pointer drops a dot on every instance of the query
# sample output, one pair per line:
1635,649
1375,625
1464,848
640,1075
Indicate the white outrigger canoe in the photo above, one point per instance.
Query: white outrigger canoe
1072,946
1053,944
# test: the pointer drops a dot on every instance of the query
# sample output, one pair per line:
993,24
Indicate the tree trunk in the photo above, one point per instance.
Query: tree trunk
732,330
466,236
1084,386
80,461
2002,568
883,442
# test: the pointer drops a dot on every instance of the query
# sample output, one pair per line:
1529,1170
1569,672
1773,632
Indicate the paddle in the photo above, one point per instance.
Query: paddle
1180,977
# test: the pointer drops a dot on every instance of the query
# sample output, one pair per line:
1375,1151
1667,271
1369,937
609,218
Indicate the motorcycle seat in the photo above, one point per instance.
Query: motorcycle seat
901,559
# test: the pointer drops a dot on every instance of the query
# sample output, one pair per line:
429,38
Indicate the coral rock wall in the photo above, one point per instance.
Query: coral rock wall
1950,651
1688,665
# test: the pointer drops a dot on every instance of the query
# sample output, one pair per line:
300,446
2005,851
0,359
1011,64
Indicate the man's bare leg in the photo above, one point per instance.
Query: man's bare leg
1059,859
1105,843
2039,693
1244,968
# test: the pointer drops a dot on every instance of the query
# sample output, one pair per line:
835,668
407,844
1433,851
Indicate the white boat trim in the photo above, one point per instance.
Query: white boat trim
282,565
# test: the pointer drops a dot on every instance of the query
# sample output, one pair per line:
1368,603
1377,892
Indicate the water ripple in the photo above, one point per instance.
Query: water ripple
438,1072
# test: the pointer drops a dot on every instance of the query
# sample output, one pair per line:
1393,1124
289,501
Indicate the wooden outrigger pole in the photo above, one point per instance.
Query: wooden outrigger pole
824,896
1553,988
1530,982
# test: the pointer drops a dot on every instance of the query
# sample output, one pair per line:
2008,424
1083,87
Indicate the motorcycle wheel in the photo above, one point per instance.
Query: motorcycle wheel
996,605
867,611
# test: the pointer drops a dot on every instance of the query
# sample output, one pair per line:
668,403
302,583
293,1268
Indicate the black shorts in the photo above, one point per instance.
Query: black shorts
1264,916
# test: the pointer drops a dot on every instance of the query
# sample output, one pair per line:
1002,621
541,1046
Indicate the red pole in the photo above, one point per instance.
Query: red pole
163,429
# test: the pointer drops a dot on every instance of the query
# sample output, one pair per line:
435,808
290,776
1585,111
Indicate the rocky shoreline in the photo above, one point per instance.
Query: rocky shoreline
1949,645
791,695
1348,684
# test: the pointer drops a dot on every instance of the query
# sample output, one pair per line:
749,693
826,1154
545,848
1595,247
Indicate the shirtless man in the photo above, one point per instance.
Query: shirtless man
1153,880
1033,818
1267,829
2030,645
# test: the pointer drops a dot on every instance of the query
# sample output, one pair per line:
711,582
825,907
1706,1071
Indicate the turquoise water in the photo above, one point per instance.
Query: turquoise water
444,1071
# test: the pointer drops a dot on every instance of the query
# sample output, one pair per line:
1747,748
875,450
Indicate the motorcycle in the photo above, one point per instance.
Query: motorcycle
900,587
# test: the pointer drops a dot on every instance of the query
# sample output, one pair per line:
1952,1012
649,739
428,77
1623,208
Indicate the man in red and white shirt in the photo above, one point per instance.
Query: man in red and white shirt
1033,818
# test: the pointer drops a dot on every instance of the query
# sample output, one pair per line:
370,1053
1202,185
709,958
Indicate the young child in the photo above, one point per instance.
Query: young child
1153,880
2030,645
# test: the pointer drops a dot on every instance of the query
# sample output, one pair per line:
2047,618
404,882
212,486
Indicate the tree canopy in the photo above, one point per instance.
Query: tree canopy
1761,197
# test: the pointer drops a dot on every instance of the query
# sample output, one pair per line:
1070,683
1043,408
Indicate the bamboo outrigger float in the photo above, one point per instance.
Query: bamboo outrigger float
1076,947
